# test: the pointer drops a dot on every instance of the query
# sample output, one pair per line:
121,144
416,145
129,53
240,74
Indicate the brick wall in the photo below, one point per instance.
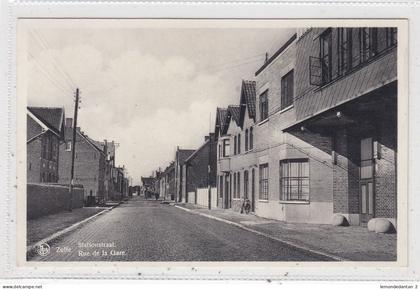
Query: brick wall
45,199
385,177
88,170
33,161
346,174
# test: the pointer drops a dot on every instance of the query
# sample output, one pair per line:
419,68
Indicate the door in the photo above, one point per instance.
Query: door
253,190
367,172
227,192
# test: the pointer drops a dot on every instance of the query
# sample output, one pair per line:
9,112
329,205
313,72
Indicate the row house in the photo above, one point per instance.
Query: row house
237,162
45,132
49,156
89,163
315,134
200,174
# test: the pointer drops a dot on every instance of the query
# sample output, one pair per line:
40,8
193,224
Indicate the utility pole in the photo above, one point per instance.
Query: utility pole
73,149
209,164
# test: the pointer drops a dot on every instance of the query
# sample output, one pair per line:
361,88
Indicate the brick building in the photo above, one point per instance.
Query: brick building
169,182
180,174
45,131
89,163
200,172
346,106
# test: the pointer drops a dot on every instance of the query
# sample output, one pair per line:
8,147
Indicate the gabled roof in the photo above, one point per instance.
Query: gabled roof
248,98
183,154
234,112
51,117
221,114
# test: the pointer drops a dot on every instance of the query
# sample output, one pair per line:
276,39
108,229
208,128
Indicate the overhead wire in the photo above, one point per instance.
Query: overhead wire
56,67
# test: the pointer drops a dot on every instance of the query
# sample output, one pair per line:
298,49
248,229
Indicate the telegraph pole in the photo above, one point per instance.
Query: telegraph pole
209,165
73,148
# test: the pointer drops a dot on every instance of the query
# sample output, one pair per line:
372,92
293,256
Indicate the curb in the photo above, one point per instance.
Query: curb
335,258
31,249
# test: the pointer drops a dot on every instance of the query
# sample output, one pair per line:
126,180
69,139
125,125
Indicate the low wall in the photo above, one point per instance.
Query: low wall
203,197
45,199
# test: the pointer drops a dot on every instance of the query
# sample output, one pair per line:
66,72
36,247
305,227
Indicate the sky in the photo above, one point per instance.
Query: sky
150,88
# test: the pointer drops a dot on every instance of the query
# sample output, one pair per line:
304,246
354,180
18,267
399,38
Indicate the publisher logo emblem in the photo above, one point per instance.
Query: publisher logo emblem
43,249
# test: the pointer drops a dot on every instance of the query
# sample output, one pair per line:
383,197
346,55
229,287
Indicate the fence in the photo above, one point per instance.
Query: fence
45,199
203,197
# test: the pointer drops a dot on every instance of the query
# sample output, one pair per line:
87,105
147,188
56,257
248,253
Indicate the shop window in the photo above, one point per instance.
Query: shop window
294,180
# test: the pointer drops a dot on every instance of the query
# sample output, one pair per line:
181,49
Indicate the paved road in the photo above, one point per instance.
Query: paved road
142,230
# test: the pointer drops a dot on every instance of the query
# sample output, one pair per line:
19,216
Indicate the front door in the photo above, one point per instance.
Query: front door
367,190
227,192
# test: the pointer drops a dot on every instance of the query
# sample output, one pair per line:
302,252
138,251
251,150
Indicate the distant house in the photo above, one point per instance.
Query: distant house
45,131
89,163
180,182
148,186
201,169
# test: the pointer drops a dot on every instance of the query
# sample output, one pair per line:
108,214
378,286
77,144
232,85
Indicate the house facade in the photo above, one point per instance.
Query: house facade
346,107
236,157
180,173
89,163
45,132
201,170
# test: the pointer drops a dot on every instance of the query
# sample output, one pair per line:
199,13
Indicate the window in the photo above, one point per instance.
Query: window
294,180
239,143
287,92
220,151
264,105
221,186
246,184
235,139
344,50
325,55
226,148
238,179
341,50
264,182
246,139
368,43
391,36
68,145
251,138
366,158
234,185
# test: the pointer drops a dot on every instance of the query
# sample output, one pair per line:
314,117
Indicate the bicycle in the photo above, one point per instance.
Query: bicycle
246,207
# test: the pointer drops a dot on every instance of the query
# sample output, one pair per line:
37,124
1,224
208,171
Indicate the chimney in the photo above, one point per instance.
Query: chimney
69,122
206,138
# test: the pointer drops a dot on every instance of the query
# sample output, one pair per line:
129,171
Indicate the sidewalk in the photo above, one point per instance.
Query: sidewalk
352,243
40,228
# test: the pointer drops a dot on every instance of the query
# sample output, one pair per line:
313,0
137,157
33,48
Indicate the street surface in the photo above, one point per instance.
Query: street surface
145,230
